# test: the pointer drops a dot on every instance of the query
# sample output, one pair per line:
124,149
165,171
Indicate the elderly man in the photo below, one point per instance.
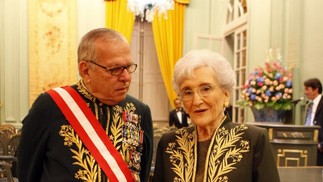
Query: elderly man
93,130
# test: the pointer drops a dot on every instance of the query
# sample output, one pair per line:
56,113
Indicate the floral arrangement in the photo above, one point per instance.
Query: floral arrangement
269,86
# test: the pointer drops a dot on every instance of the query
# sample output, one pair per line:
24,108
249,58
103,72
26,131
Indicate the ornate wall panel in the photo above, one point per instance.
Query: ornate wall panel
52,45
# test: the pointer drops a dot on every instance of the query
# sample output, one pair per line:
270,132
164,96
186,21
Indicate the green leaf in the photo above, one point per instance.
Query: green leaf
277,106
259,105
270,104
287,106
242,103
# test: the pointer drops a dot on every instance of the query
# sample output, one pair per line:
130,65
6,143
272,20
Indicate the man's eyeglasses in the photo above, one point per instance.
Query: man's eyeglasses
116,71
203,91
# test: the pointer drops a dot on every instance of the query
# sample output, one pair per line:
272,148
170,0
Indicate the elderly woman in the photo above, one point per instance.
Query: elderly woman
215,149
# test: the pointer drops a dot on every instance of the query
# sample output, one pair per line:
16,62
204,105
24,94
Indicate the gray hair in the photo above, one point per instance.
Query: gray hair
87,47
222,69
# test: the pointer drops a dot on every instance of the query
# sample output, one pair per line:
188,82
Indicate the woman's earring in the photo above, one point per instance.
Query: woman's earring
226,104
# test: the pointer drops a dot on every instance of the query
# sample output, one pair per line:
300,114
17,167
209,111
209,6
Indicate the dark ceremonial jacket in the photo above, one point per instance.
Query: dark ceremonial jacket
318,120
174,120
236,153
51,151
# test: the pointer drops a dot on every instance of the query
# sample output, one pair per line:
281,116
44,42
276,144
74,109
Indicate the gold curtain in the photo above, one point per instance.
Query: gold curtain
119,18
168,36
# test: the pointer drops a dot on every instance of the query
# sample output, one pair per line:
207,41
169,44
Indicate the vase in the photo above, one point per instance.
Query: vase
269,115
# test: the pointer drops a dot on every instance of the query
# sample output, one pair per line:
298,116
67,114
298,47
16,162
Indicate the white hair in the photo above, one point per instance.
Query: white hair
222,69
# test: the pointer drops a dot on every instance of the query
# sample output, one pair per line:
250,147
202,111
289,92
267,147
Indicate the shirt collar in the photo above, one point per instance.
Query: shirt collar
317,99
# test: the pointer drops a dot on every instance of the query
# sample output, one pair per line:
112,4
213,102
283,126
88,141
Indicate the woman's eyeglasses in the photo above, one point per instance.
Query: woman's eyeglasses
203,91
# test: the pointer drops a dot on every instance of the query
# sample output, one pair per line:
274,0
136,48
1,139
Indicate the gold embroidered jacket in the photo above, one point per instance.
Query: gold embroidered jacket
51,151
236,153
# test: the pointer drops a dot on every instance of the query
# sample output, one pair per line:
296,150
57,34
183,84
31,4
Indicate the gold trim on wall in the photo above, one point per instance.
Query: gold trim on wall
316,135
288,155
270,133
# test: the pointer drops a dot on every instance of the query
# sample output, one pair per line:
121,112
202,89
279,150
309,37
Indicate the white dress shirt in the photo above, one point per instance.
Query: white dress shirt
315,104
179,115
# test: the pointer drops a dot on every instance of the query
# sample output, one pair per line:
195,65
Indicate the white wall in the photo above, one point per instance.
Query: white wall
91,14
13,64
312,42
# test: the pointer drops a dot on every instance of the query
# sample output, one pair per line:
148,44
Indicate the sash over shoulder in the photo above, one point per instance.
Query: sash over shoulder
91,133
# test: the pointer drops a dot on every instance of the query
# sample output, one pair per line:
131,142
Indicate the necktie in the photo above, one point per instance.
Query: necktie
309,114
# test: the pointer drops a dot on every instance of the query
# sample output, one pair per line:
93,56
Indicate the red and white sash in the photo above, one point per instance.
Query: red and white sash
91,133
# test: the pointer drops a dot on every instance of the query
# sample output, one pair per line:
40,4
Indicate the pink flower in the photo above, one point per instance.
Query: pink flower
271,84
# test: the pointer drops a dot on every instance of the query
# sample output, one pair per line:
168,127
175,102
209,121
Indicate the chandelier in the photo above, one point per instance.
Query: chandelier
147,9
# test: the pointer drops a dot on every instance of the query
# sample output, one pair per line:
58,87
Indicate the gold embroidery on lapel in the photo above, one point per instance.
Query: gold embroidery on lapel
119,140
117,124
226,152
181,156
116,128
90,170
